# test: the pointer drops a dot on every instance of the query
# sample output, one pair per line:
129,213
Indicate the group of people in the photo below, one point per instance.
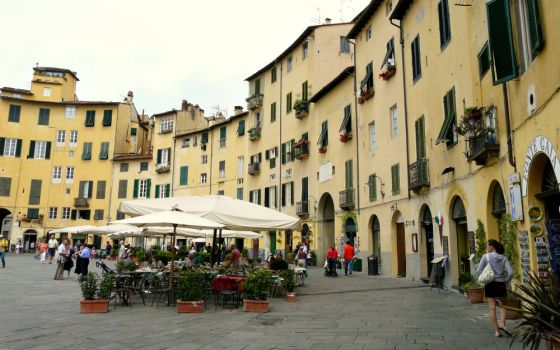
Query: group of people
348,257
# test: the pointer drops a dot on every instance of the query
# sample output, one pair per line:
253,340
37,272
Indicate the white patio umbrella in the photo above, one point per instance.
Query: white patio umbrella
74,229
106,229
171,218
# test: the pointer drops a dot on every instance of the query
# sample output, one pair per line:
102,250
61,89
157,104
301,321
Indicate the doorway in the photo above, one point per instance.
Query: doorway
428,227
459,216
326,226
29,241
289,241
550,197
401,252
350,229
375,239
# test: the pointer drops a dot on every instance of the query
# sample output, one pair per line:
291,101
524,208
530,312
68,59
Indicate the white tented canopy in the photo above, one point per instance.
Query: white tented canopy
170,218
233,213
74,229
225,233
106,229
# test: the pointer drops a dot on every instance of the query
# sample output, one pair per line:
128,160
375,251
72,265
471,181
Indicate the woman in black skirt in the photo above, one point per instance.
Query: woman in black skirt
78,269
496,289
68,264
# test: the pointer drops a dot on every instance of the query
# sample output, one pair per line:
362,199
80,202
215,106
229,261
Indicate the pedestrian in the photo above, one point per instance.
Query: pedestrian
84,254
348,258
122,250
301,257
332,255
3,249
503,273
32,247
93,253
53,244
43,249
18,246
69,263
236,255
108,248
78,268
63,254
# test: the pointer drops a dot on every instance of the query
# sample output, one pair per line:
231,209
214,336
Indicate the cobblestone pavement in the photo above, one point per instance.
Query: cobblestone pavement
361,312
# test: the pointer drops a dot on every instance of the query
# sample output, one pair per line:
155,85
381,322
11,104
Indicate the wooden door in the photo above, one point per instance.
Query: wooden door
401,252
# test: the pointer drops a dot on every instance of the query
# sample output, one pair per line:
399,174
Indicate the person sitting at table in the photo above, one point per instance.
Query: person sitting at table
236,255
130,261
271,260
228,260
196,259
156,264
189,261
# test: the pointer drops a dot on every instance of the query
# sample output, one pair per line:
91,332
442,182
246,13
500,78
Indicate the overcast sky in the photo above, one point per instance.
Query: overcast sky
164,51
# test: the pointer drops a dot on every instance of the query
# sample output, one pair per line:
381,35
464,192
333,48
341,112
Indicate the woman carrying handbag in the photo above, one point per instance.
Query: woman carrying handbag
495,271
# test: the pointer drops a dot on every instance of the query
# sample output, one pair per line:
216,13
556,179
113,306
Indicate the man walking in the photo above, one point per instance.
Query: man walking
85,254
3,250
348,258
63,254
53,244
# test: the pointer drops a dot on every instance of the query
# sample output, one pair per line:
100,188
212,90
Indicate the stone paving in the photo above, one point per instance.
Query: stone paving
361,312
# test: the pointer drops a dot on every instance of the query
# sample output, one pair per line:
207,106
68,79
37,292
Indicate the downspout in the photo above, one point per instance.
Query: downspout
211,140
173,156
508,129
357,133
401,38
281,197
113,168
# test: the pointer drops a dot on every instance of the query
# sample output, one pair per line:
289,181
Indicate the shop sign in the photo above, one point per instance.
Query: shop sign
540,144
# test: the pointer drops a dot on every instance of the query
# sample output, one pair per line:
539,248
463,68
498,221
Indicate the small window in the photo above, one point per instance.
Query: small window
5,186
69,174
53,213
73,138
395,180
44,114
124,167
133,131
86,153
394,122
60,137
369,33
203,178
273,112
204,159
66,213
10,147
222,169
483,60
14,114
186,142
372,141
47,91
166,125
143,166
289,102
344,45
290,64
122,192
416,58
444,25
98,214
70,112
107,117
90,118
241,128
104,151
273,74
305,50
56,174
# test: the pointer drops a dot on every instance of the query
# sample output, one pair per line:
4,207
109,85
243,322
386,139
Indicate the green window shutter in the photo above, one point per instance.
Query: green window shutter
348,169
535,30
267,154
241,128
104,151
101,189
136,185
90,118
48,150
107,117
272,163
123,188
283,194
483,60
90,192
372,188
346,125
157,191
292,150
223,132
184,175
159,156
86,155
31,154
240,193
501,41
395,181
420,139
304,189
446,132
416,59
2,143
148,187
81,189
133,131
204,138
14,113
273,112
18,148
291,192
44,114
444,24
167,190
289,102
304,91
35,192
390,51
283,153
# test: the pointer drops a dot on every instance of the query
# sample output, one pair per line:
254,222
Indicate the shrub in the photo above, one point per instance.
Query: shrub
289,279
114,253
163,256
204,257
139,253
257,284
191,286
245,252
183,252
89,285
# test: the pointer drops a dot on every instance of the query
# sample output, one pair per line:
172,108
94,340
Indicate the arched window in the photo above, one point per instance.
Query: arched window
498,201
458,210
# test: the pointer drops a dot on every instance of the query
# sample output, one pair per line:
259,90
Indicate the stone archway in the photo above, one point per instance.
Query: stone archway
375,232
458,239
495,207
5,223
426,249
326,227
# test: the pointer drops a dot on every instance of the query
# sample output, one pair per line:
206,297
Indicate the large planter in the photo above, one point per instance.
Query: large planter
94,306
513,303
191,307
292,297
475,295
255,305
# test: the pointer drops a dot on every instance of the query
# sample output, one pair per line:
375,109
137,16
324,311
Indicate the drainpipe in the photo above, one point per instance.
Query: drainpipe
113,166
173,156
209,145
357,133
508,128
280,140
401,38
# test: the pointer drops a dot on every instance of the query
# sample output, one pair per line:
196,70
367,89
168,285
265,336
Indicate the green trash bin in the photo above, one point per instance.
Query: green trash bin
357,265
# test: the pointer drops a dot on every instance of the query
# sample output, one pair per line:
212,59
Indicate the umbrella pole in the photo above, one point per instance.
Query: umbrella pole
213,255
172,256
221,247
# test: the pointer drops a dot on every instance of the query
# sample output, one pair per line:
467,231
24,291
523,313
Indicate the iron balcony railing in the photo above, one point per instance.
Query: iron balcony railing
482,147
302,208
254,168
346,198
81,203
254,101
302,151
419,175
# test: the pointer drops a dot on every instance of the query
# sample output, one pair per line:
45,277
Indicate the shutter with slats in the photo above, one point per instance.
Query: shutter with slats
148,187
372,188
420,140
123,188
18,148
535,30
158,161
107,117
291,192
283,195
101,189
35,192
31,154
267,197
283,153
167,190
348,173
501,41
2,142
157,191
184,175
136,185
48,150
304,189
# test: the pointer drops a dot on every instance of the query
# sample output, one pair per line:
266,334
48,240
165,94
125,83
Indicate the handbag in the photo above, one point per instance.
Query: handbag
487,275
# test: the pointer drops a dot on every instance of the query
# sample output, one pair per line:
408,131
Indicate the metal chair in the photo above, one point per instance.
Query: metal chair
229,293
161,287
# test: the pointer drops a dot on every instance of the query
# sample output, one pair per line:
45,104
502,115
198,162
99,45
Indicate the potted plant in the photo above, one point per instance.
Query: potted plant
389,69
96,291
256,288
289,283
301,107
475,291
190,292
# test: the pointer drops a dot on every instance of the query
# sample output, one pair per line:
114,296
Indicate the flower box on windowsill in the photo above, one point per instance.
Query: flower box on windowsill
388,74
366,95
323,150
344,137
254,134
160,169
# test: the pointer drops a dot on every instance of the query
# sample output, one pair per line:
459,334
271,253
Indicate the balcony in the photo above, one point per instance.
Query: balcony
254,133
81,203
254,101
418,175
254,168
162,168
346,199
301,108
483,147
302,208
302,150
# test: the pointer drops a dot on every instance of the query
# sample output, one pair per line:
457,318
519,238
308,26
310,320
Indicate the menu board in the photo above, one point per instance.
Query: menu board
525,255
543,258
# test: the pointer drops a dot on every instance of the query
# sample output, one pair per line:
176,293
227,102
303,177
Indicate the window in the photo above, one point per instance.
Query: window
273,75
101,185
289,102
14,114
372,186
420,138
240,193
241,128
124,167
395,180
60,137
143,166
107,117
104,152
367,83
305,51
255,196
11,147
288,193
348,173
86,154
204,159
394,121
44,114
66,213
56,174
346,126
304,91
483,60
447,134
73,138
270,197
5,186
163,191
290,64
416,59
186,142
133,131
120,215
195,141
123,186
47,91
344,45
273,112
69,174
39,150
98,214
304,190
184,175
90,118
85,189
369,33
204,138
389,59
142,188
444,25
203,178
163,156
70,112
35,192
324,136
372,141
33,213
222,169
223,131
240,166
166,125
53,213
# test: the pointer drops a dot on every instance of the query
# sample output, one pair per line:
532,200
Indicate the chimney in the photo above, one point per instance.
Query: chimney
129,97
327,20
184,105
237,110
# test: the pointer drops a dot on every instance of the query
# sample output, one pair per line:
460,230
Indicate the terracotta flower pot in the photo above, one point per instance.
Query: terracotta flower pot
475,295
190,307
94,306
292,297
255,305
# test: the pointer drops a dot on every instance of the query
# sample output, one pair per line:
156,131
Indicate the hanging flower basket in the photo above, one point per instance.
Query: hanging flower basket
343,137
